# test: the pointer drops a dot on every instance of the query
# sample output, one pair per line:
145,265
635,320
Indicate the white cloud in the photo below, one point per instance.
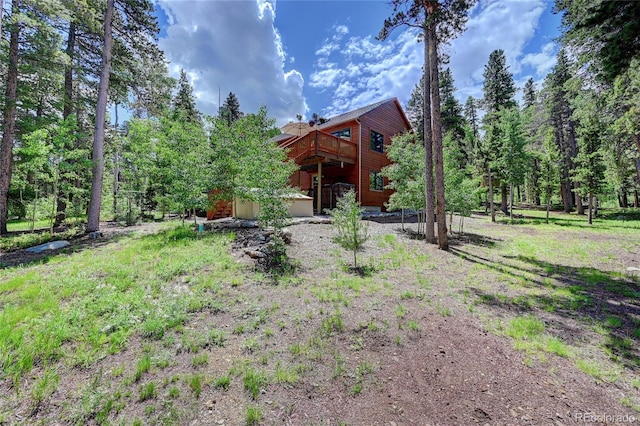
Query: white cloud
542,61
235,46
364,71
391,69
494,24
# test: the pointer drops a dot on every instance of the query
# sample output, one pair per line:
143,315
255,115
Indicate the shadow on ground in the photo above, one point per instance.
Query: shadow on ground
598,300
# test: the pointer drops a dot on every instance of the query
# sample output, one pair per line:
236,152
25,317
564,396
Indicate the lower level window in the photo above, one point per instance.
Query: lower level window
376,181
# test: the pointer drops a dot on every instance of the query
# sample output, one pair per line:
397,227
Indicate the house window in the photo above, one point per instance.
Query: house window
344,134
377,142
376,181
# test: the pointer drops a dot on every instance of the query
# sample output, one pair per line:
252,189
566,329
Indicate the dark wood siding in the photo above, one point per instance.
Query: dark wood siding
389,121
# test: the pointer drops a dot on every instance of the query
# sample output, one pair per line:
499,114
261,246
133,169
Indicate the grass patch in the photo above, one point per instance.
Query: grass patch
147,391
254,381
195,384
253,417
223,382
94,300
529,335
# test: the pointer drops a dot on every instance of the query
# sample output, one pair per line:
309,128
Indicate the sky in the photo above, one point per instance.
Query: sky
309,56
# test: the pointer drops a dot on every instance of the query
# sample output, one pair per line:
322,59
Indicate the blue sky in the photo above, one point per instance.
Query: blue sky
309,56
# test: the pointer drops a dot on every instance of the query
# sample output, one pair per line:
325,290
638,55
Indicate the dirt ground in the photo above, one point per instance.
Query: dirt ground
410,345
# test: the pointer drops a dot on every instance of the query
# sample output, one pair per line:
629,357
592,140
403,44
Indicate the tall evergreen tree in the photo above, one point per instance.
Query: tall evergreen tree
560,116
415,109
452,119
533,128
9,116
184,103
471,114
439,21
499,90
529,94
230,110
604,34
589,170
97,170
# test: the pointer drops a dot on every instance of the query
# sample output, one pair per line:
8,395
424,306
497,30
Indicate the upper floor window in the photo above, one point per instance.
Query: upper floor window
344,133
376,142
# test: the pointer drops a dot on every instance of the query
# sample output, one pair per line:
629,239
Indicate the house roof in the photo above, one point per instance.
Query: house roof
296,130
352,115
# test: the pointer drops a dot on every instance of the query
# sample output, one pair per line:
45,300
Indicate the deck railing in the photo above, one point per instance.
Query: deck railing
322,144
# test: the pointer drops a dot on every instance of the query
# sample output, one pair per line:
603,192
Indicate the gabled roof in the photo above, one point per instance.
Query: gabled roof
352,115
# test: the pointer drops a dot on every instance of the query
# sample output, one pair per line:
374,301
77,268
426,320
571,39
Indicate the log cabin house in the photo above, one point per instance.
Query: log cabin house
345,152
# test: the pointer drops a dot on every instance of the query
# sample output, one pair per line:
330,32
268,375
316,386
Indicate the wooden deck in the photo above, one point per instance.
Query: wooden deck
320,147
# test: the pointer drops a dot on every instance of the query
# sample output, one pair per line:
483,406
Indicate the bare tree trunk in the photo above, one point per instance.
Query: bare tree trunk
567,198
93,222
116,168
536,178
67,110
548,208
492,207
9,121
428,143
1,9
503,199
511,202
590,207
636,139
579,206
441,216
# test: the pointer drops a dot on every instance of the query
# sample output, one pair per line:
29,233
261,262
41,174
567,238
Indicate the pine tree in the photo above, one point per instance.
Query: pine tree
9,117
184,103
499,89
604,34
529,94
589,166
415,109
452,119
97,170
230,110
560,116
439,21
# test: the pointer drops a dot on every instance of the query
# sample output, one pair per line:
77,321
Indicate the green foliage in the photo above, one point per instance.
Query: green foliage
549,168
347,221
230,110
590,168
254,415
184,103
406,172
460,190
254,381
248,165
597,30
498,87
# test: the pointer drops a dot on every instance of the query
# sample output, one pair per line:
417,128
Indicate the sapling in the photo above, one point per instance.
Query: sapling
347,220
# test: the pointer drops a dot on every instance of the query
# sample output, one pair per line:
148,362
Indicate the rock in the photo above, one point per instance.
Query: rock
53,245
286,235
254,254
